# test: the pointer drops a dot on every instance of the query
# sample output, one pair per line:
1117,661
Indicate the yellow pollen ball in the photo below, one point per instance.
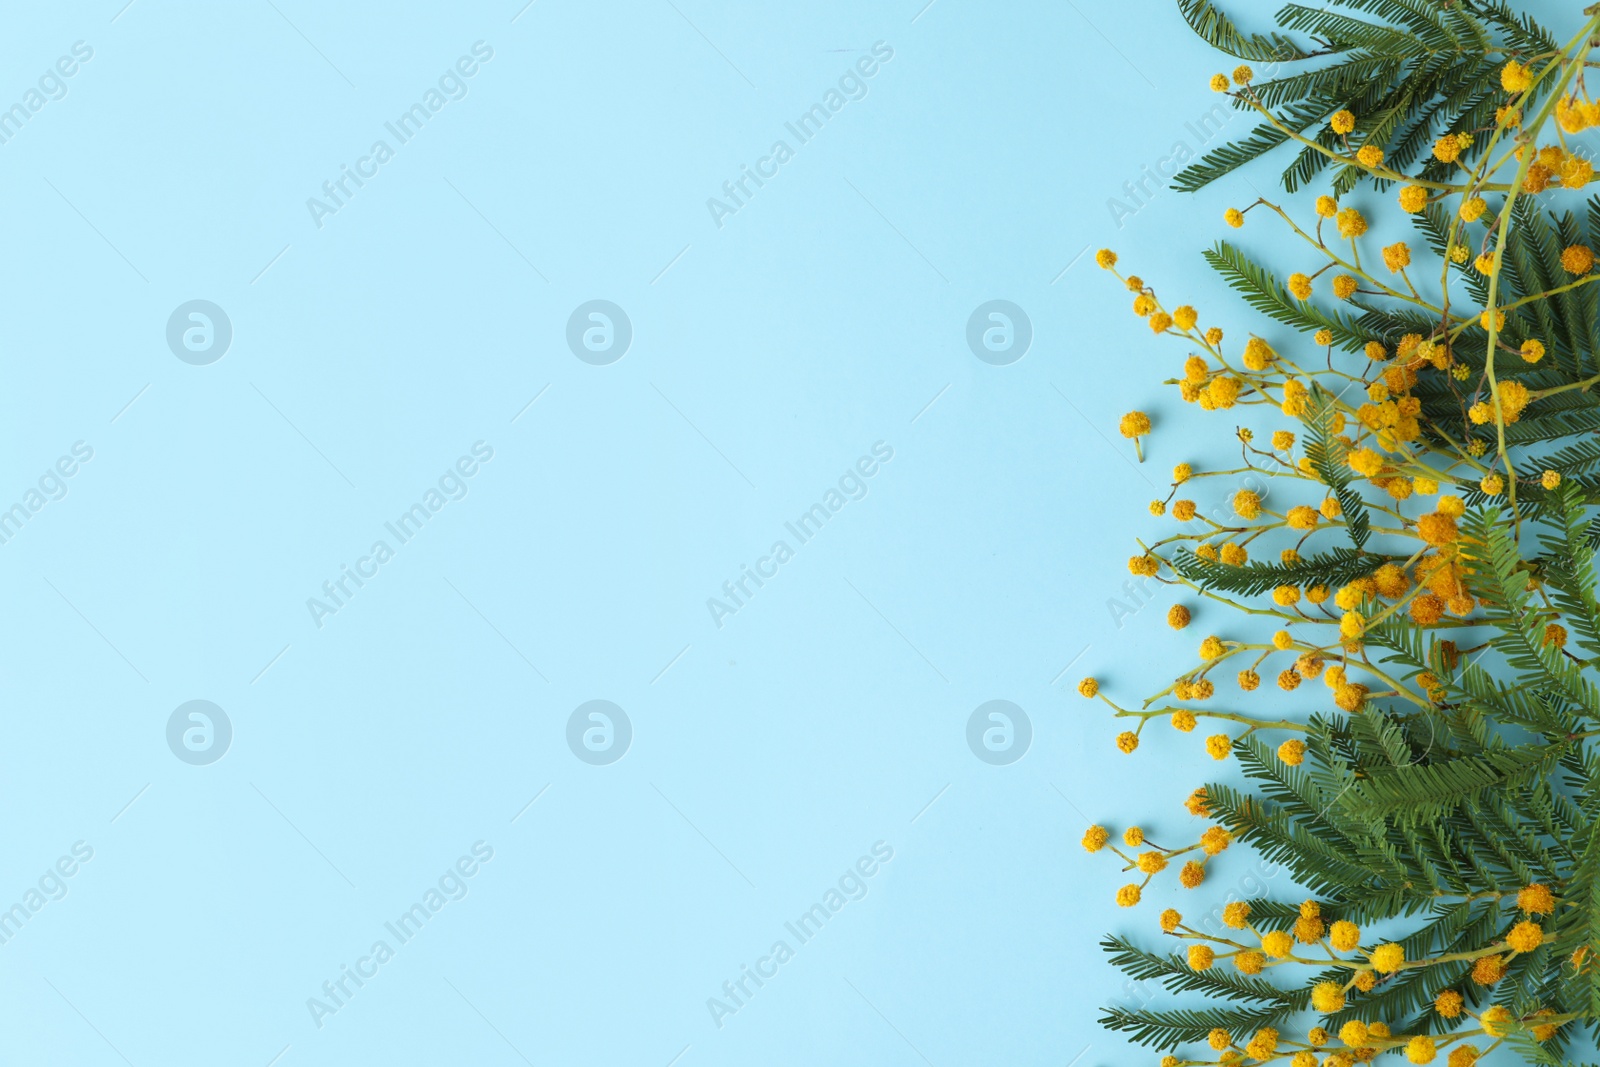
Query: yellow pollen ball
1301,517
1421,1049
1365,461
1437,528
1514,77
1215,840
1525,937
1344,936
1264,1044
1427,609
1388,958
1536,899
1327,997
1353,1033
1576,173
1344,286
1278,944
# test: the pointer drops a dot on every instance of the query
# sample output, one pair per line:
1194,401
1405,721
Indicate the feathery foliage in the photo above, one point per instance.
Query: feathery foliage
1434,582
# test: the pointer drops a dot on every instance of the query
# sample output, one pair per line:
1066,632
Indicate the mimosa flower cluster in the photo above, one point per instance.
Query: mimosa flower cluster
1426,578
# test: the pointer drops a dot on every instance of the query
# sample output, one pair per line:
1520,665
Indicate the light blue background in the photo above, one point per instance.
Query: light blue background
768,354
